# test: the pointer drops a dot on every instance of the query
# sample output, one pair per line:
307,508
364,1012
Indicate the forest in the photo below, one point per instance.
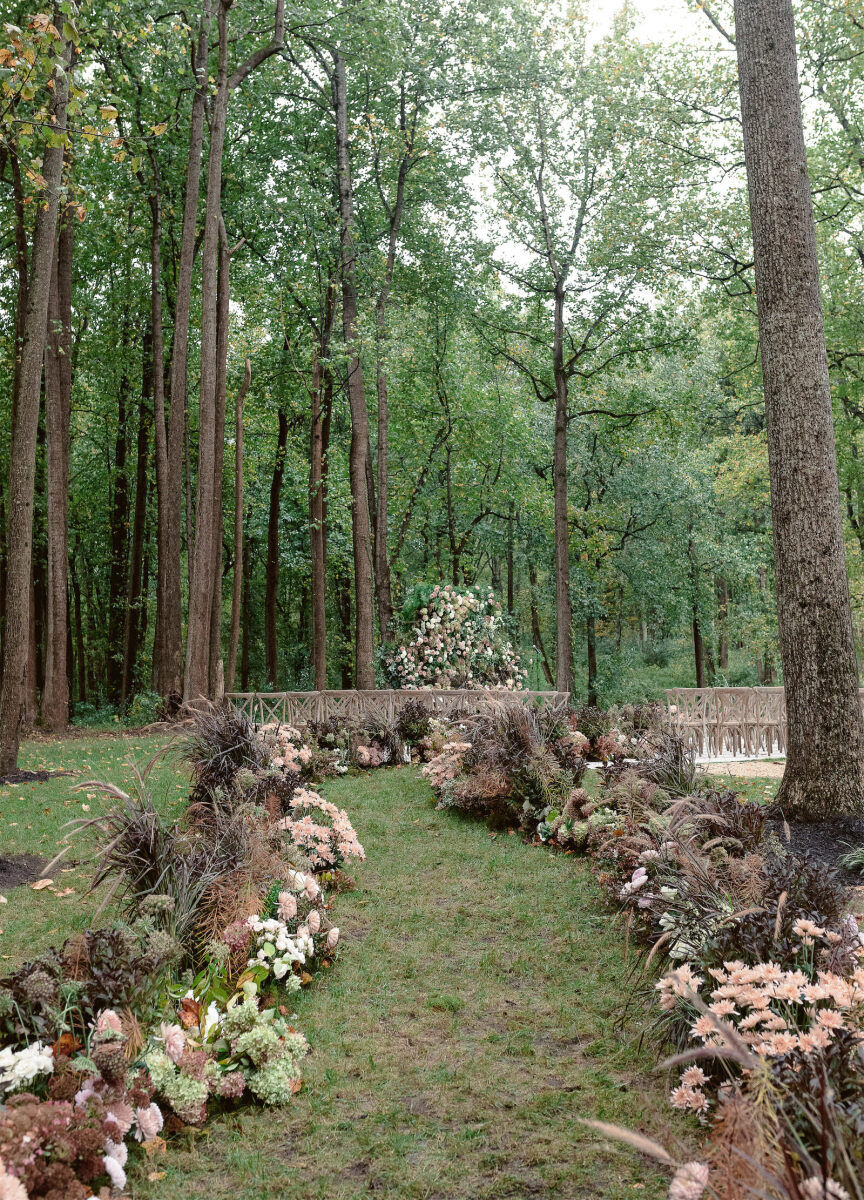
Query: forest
347,299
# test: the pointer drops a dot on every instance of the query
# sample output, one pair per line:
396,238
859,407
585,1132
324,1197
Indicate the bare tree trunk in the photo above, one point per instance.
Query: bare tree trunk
197,681
132,621
825,742
591,641
237,583
22,450
511,605
216,670
723,623
317,533
364,670
245,614
698,649
58,401
80,647
271,589
536,635
563,605
119,528
168,641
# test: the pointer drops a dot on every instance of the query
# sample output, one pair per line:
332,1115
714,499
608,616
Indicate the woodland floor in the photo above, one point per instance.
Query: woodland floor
473,1015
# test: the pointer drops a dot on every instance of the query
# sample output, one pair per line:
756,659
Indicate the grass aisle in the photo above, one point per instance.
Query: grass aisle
469,1020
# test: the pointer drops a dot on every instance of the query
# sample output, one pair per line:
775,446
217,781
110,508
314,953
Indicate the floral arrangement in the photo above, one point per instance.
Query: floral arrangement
106,1045
287,748
327,839
454,638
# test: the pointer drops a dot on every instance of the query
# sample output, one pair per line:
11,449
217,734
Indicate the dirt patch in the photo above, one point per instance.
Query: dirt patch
31,776
826,842
746,770
19,869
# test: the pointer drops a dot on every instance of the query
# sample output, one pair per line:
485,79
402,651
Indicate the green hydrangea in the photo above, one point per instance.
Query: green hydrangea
240,1018
273,1084
160,1068
187,1096
259,1044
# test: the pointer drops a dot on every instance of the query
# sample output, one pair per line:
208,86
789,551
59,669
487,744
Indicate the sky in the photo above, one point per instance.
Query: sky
664,20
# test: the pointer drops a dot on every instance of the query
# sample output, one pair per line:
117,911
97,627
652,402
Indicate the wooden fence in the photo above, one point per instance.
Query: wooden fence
298,708
740,721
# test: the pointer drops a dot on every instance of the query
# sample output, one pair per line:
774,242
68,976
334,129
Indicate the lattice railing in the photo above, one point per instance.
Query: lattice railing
298,708
741,721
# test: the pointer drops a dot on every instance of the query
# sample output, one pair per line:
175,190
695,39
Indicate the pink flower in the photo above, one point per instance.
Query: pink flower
11,1188
287,906
314,921
120,1114
174,1039
149,1122
311,889
333,938
690,1182
108,1021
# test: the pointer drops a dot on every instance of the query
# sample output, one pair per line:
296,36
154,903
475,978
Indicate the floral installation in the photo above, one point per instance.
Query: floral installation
326,845
457,638
82,1086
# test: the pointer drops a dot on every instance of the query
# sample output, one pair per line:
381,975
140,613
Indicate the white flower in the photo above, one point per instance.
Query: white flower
212,1019
115,1172
19,1067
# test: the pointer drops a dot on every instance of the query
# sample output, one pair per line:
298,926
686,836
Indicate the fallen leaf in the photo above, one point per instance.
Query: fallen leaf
41,884
3,900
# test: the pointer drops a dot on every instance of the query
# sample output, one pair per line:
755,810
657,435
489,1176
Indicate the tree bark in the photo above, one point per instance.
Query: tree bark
591,642
723,623
271,589
132,617
237,582
58,401
22,451
563,605
825,734
536,635
698,650
364,670
168,641
317,532
197,679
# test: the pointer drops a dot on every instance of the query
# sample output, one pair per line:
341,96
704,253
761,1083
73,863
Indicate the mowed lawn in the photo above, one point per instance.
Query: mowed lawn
474,1014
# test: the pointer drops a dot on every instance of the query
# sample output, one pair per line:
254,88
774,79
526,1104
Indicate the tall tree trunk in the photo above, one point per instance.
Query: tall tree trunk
825,740
216,670
22,450
246,614
271,589
119,532
237,583
168,641
317,533
132,622
80,645
197,681
58,401
207,550
723,623
511,606
591,642
698,649
536,635
364,670
563,605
